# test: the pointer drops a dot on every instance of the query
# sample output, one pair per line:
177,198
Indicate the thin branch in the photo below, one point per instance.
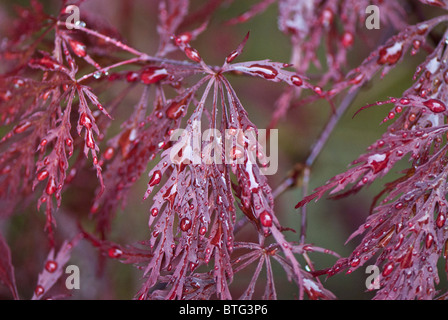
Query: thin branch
316,149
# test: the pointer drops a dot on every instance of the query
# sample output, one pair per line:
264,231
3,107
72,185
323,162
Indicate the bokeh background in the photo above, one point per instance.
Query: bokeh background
329,222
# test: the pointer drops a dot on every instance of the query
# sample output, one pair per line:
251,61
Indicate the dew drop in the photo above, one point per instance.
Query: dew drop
399,205
132,76
318,90
51,186
22,127
232,56
155,179
236,153
357,79
405,101
193,54
440,221
85,121
416,44
39,290
51,266
90,142
176,109
114,253
18,83
378,162
183,38
80,23
355,262
185,224
97,74
438,3
42,175
266,219
153,75
326,17
390,54
265,71
388,268
109,153
429,240
435,105
78,48
296,80
347,39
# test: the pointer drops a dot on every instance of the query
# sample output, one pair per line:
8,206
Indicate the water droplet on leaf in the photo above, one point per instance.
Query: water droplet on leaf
266,219
155,179
153,75
435,105
51,266
185,224
115,253
265,71
390,54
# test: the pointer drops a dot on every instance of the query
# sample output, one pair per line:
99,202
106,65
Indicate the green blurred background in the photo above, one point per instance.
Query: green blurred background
329,222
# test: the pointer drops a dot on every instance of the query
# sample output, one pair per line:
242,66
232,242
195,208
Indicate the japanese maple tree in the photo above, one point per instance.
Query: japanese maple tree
87,115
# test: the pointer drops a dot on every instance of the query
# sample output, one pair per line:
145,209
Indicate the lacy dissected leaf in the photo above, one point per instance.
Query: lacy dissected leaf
388,55
437,3
406,231
7,276
54,268
420,114
137,255
193,214
263,254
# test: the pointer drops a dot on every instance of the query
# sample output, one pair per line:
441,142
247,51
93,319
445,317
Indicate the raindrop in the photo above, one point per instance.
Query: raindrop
296,80
78,48
388,268
97,74
42,175
435,105
155,179
39,290
185,224
390,54
51,266
153,75
265,71
114,253
192,54
51,187
266,219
